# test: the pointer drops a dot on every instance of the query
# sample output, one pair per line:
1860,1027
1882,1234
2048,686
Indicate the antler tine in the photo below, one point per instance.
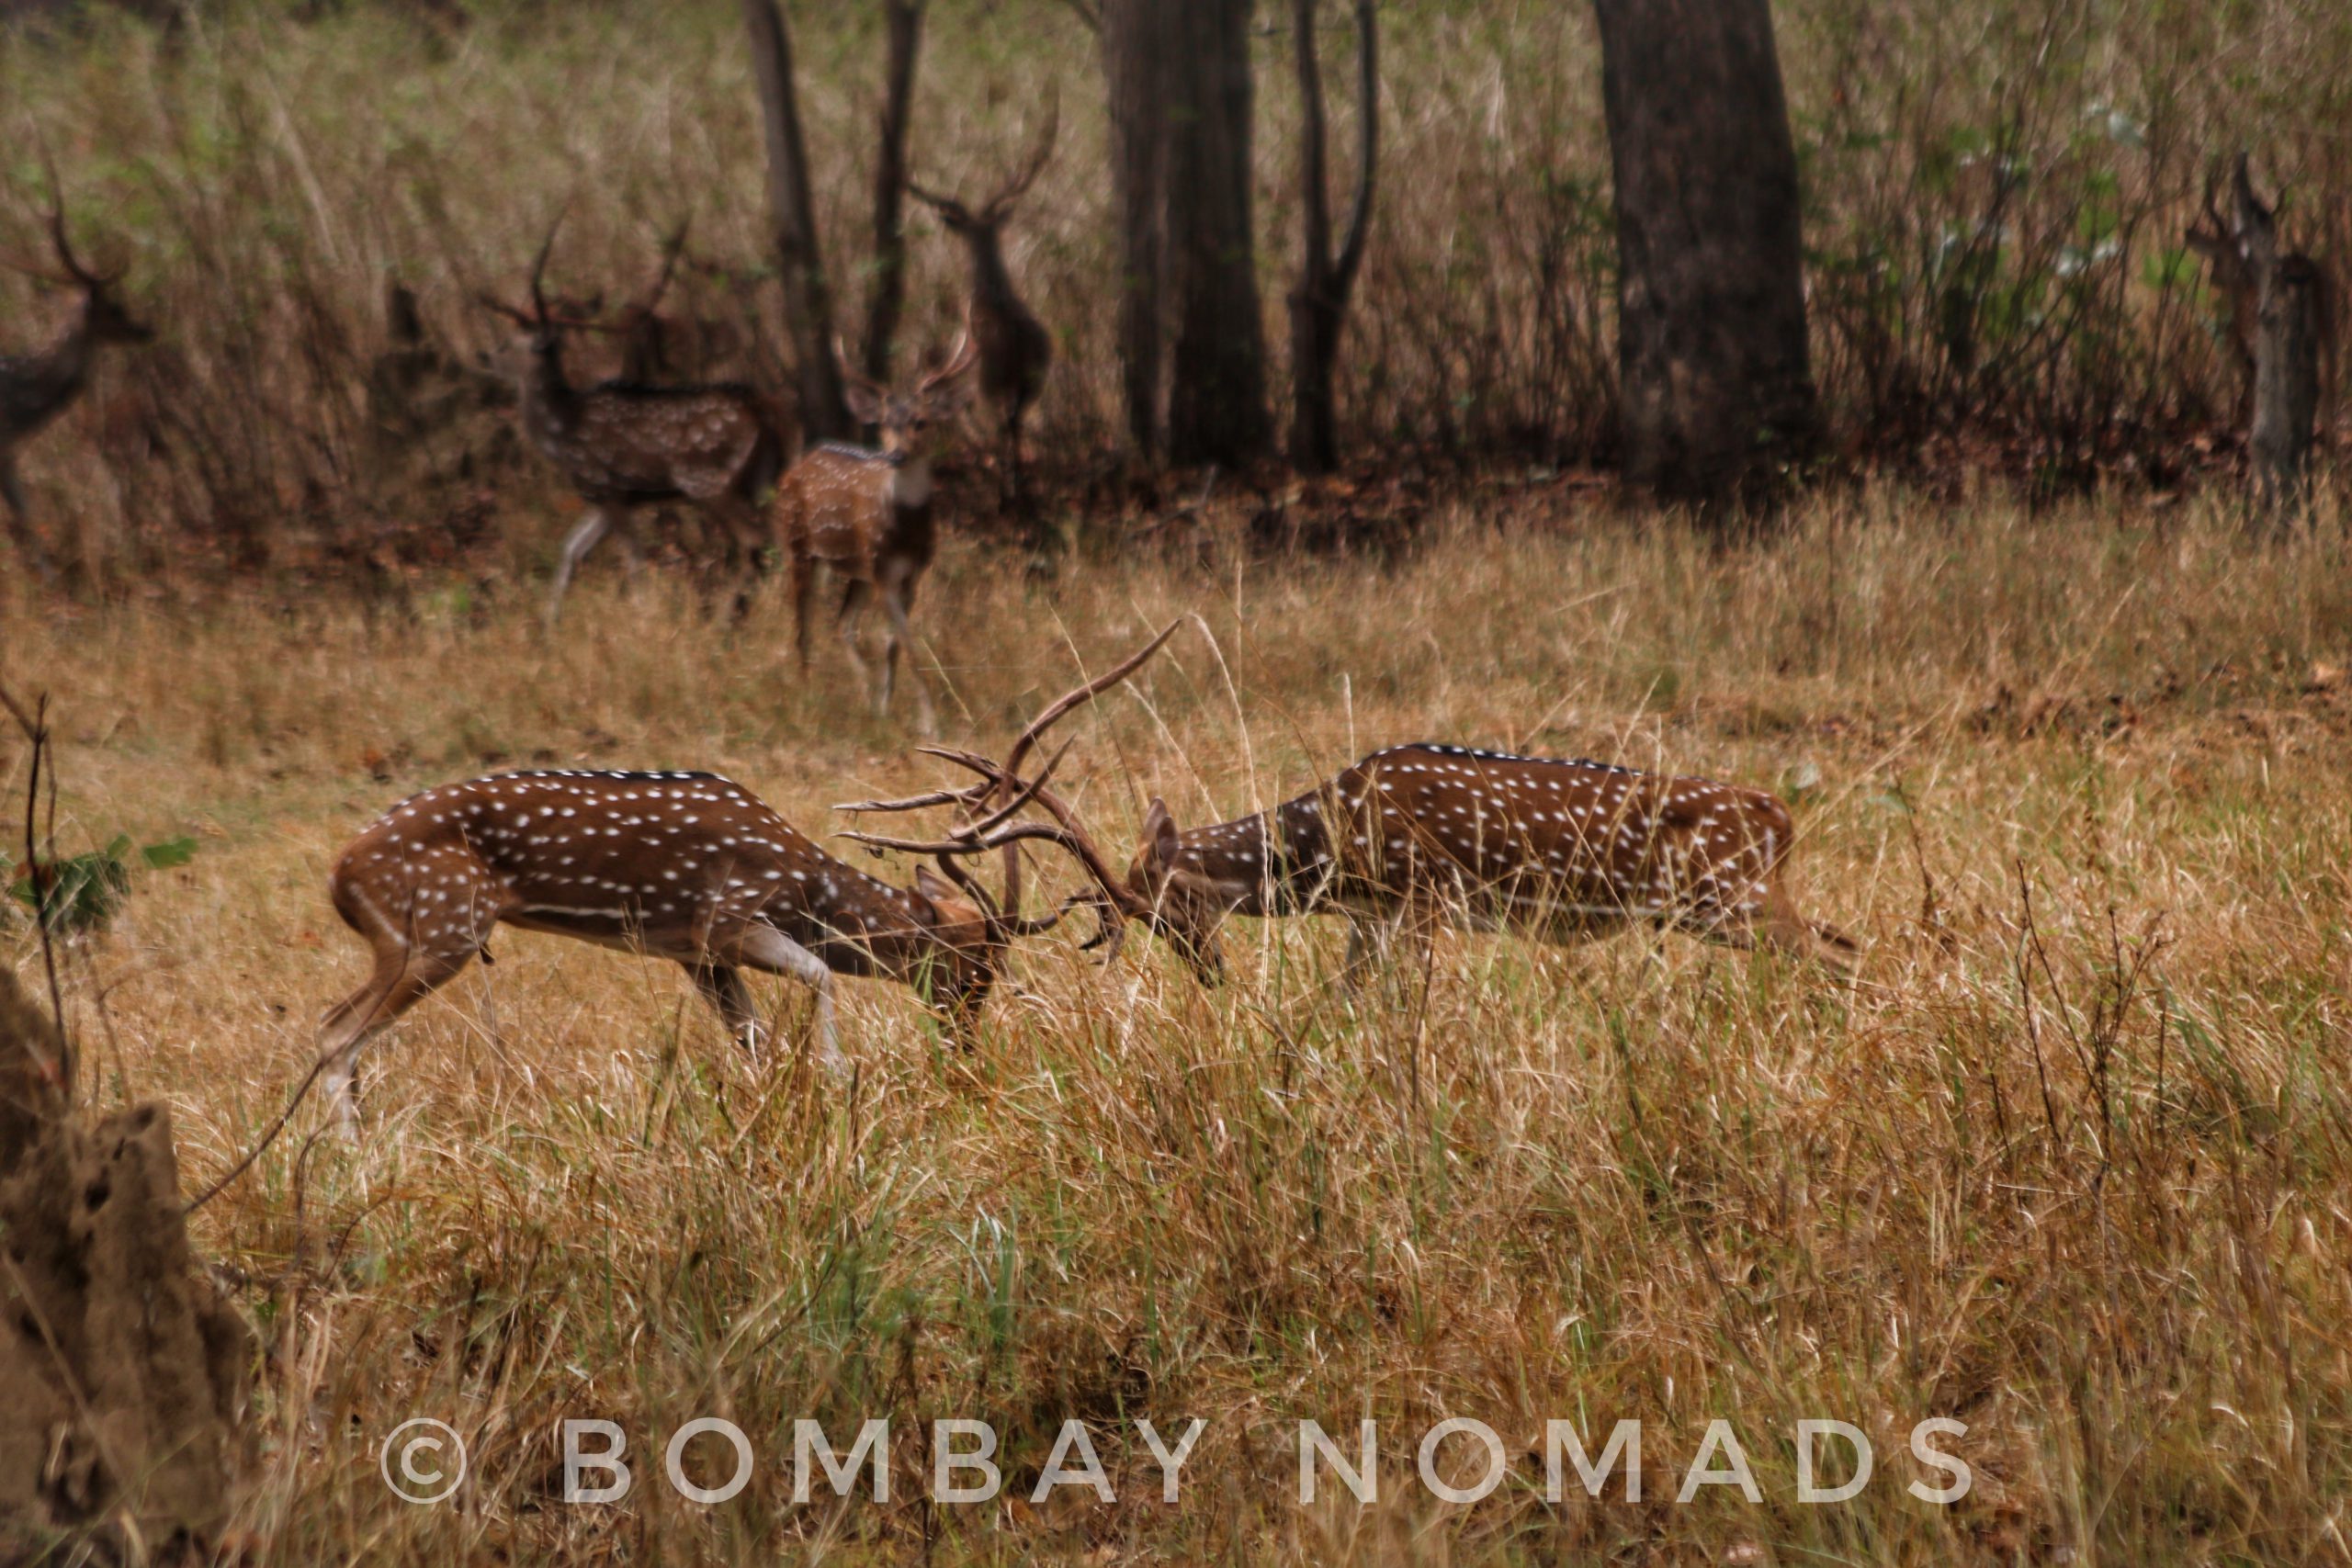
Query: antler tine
1083,695
540,262
673,247
947,206
968,797
1033,164
957,363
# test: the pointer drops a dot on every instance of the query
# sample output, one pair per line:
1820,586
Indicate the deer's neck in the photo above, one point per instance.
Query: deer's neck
550,407
47,382
991,282
1272,862
861,925
911,484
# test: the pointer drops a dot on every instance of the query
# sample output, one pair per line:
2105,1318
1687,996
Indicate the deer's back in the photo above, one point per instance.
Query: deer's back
1519,834
853,506
661,843
652,442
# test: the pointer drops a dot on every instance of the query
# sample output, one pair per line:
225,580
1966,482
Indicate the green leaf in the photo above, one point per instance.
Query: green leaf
170,852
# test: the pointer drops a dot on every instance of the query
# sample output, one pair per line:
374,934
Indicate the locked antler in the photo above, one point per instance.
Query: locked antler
990,808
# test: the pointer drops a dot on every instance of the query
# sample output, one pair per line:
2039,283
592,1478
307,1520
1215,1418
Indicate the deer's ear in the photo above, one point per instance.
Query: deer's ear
865,403
934,887
1161,842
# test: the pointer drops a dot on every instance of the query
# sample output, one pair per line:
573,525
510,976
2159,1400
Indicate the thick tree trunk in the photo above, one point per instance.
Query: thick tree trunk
807,300
1180,95
1135,40
1217,390
1716,392
2286,381
1319,305
882,306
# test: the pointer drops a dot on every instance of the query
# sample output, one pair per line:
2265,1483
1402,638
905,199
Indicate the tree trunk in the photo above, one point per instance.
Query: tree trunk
1216,389
1134,35
882,306
1181,97
807,301
1319,305
1716,392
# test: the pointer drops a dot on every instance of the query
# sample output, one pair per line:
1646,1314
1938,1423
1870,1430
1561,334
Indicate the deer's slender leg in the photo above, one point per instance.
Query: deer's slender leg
404,976
895,601
804,586
762,946
739,525
854,593
20,522
586,534
722,986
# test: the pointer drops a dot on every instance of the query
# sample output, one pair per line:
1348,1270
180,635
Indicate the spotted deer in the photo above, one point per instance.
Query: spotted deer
687,866
36,387
1418,836
625,446
866,515
1015,350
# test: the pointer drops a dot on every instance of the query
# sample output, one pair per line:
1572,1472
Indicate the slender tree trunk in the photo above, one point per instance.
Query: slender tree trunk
1217,390
807,300
1717,391
1136,39
1319,305
889,292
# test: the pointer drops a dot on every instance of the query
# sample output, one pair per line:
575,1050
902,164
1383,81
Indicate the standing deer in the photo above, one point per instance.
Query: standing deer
1015,350
1418,836
2281,333
866,515
623,445
36,387
687,866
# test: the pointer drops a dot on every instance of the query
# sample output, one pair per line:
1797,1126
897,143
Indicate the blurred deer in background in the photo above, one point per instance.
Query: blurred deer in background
623,445
1015,351
2282,333
866,515
36,387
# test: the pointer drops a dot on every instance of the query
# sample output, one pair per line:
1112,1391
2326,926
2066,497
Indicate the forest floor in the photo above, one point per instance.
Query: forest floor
2069,1161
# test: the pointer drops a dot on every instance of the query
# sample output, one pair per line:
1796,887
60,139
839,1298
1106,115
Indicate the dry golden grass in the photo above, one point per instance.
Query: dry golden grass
2084,1184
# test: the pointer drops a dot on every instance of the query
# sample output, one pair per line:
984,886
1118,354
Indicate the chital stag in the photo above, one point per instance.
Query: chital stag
1015,350
866,515
36,387
687,866
623,445
1414,837
1421,835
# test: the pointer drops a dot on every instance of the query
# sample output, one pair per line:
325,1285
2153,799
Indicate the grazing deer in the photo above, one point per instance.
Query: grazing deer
1015,350
867,514
36,387
623,445
688,866
1421,835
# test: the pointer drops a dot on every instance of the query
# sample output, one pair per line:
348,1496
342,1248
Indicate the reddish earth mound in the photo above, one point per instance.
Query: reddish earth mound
122,1369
